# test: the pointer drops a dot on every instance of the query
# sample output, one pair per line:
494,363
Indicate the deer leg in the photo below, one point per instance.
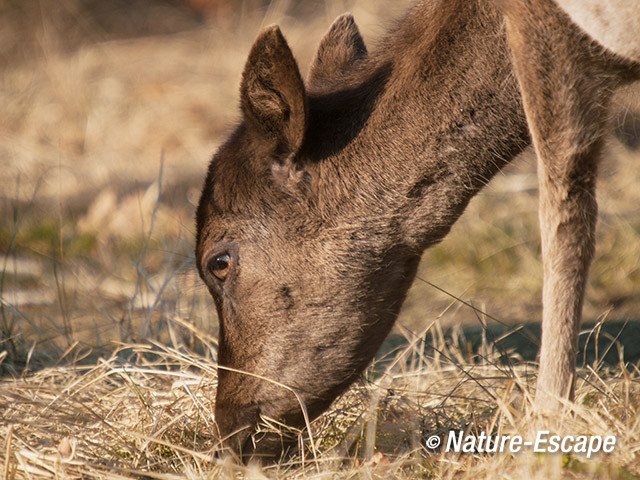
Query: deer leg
565,89
567,217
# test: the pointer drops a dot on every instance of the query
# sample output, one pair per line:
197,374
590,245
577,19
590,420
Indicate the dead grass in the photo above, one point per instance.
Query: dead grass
147,411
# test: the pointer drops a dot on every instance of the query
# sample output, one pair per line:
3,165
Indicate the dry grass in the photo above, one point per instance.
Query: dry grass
109,118
147,411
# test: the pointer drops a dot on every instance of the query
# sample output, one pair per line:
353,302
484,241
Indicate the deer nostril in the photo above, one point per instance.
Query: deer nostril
236,424
238,445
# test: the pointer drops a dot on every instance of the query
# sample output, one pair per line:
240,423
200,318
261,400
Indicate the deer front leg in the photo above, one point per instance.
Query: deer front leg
565,87
567,214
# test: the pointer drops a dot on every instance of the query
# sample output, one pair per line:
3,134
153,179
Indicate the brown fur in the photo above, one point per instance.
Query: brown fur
327,193
567,81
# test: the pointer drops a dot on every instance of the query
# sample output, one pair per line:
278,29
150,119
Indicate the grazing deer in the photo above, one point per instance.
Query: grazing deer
315,212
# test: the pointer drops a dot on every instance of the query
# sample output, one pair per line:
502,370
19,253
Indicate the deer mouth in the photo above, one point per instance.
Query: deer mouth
252,443
268,446
247,436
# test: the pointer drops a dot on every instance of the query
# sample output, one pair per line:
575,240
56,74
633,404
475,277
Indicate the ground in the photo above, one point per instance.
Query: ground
107,336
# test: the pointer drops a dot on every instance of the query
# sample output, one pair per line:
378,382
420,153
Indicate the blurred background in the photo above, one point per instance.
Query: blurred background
111,111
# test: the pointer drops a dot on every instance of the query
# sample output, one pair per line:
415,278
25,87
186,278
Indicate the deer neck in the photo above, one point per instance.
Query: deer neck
415,131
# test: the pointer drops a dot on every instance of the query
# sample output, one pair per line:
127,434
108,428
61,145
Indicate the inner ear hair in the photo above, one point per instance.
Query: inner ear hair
272,94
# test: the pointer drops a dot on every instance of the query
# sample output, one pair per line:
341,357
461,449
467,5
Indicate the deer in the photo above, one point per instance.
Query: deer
316,210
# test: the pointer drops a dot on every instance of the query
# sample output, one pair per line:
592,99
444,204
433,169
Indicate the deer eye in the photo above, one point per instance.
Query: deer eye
220,265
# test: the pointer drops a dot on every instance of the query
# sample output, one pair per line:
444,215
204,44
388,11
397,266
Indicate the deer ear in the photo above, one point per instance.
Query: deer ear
340,47
272,94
